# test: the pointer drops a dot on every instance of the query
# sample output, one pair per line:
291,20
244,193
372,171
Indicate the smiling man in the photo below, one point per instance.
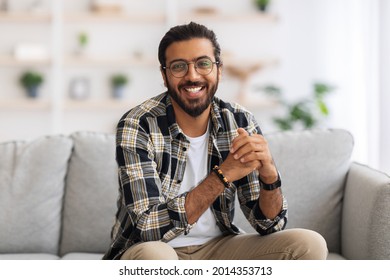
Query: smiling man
182,158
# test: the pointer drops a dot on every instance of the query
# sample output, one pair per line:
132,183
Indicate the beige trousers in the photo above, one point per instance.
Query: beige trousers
291,244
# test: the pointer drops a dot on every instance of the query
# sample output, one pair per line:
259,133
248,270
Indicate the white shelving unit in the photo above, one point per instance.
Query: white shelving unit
88,17
24,104
11,61
25,17
63,64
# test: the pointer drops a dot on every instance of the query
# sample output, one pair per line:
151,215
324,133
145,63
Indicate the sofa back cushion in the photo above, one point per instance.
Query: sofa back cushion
313,166
31,191
91,193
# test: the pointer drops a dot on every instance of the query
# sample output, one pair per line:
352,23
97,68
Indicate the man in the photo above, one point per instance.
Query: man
184,155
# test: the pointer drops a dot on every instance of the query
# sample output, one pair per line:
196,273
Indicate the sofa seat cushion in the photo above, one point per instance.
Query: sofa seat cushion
313,166
91,193
335,257
82,256
31,192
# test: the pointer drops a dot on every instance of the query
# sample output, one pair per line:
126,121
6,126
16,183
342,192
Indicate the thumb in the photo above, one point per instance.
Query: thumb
241,131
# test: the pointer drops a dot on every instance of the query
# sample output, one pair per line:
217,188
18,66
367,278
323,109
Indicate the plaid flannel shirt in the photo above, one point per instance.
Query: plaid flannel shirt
151,154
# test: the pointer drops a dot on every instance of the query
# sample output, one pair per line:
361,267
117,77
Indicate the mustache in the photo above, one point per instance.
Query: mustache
193,84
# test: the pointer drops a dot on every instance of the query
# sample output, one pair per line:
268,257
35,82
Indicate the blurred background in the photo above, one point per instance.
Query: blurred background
71,65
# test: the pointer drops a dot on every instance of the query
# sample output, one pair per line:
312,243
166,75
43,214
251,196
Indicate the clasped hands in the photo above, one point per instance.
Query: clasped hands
249,153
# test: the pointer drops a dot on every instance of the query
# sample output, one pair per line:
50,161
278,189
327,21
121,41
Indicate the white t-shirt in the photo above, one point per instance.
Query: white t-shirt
196,170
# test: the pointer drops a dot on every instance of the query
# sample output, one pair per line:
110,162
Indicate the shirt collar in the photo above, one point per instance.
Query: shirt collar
216,119
174,129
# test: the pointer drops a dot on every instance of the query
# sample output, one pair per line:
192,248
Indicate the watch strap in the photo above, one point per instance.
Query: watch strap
273,186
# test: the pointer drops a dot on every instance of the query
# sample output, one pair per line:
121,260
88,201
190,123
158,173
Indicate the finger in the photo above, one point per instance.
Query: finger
247,148
248,144
241,131
260,156
238,141
252,165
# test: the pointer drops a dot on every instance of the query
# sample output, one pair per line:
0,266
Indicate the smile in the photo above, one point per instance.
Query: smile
193,89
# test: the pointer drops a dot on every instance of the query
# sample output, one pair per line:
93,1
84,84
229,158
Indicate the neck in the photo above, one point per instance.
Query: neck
191,126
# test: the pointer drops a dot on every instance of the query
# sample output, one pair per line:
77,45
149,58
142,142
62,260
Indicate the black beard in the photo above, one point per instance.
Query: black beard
195,108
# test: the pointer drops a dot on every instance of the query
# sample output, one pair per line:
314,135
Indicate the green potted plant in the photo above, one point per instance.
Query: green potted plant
118,83
82,40
305,113
31,81
262,4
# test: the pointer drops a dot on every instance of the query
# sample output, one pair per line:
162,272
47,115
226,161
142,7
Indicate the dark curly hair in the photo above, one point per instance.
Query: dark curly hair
187,32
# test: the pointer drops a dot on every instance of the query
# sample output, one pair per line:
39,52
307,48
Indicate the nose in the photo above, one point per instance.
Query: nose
191,72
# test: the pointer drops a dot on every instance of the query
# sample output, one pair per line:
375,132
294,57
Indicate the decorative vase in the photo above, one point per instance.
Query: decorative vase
118,92
263,8
263,5
32,91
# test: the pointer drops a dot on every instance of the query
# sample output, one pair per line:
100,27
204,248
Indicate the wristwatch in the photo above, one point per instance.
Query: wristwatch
273,186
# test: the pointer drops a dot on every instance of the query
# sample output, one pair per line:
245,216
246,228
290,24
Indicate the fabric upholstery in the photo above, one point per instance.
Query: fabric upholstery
349,204
82,256
28,257
366,214
313,166
91,192
31,187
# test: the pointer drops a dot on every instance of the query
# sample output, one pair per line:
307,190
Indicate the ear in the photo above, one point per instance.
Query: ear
219,72
164,76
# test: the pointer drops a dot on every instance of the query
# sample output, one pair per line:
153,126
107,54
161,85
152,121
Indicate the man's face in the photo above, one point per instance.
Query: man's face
193,92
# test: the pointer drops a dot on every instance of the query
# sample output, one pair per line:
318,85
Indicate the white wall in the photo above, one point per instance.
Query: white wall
344,43
384,145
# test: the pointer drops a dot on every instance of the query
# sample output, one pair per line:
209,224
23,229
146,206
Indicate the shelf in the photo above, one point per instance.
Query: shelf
25,104
10,61
59,22
95,61
161,17
216,16
81,60
106,104
91,17
24,17
242,68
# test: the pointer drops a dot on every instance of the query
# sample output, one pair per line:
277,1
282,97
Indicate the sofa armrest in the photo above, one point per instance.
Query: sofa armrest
366,214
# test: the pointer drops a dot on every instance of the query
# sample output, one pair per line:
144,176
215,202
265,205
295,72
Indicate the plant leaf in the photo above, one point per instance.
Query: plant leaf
323,108
283,124
272,90
321,89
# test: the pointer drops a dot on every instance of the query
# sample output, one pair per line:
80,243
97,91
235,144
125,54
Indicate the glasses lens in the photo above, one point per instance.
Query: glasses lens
204,66
179,68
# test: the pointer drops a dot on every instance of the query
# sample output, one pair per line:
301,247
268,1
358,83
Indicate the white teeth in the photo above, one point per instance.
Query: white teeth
194,89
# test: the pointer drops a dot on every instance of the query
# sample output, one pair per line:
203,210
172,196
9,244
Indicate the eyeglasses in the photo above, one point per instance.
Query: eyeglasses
179,68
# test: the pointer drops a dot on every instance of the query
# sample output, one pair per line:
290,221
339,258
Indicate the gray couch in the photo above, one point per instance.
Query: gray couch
58,195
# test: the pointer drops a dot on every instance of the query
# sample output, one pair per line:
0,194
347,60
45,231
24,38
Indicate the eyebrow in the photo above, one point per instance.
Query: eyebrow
180,59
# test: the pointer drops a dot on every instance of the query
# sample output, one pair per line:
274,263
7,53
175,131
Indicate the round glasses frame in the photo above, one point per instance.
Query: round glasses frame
179,68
